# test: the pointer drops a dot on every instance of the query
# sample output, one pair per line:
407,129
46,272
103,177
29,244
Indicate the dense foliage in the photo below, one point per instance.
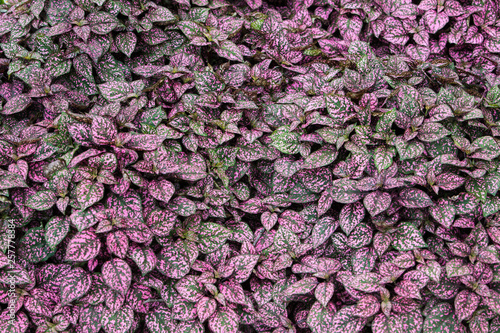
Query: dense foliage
175,166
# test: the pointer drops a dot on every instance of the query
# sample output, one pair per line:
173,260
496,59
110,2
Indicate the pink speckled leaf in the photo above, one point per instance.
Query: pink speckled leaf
115,91
161,222
119,321
367,282
302,286
431,132
125,42
320,158
103,130
442,319
211,236
84,246
160,320
89,193
377,202
229,50
233,292
435,21
324,292
414,198
367,306
345,191
32,246
449,181
117,275
224,320
16,104
466,302
407,289
322,230
350,216
243,266
75,284
190,288
325,202
254,4
205,307
408,237
320,318
11,180
117,243
173,261
382,324
102,23
42,200
346,321
144,258
443,212
56,230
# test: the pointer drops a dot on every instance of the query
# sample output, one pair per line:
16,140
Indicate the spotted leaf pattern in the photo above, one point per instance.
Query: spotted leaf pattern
221,166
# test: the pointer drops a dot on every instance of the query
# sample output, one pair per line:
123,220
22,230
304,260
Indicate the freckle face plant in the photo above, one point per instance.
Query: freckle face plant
181,166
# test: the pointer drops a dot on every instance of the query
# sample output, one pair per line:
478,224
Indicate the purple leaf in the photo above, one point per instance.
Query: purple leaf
161,190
